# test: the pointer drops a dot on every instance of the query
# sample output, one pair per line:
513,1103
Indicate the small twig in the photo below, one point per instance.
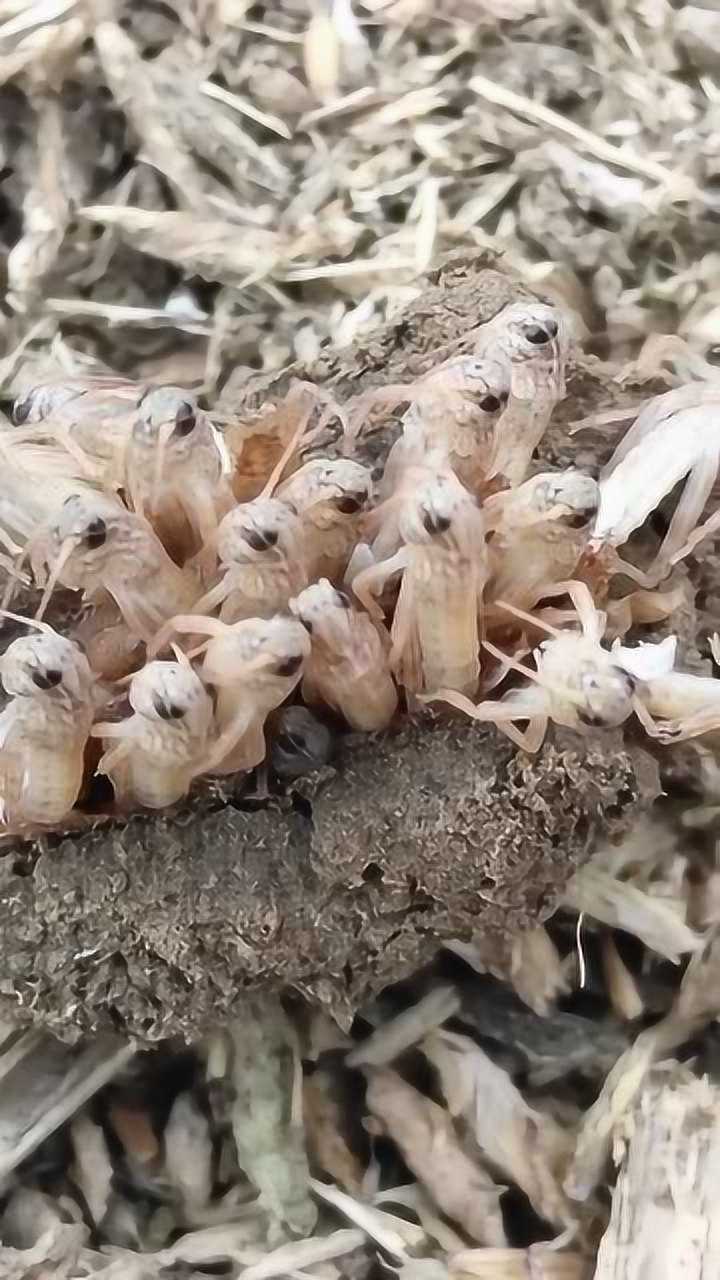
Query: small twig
245,108
337,270
114,313
597,146
272,33
36,16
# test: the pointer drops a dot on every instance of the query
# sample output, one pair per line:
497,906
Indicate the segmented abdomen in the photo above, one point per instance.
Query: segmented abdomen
40,785
446,607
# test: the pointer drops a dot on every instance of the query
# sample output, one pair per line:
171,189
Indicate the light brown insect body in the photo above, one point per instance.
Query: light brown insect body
453,411
583,683
174,472
532,338
43,729
74,397
520,334
36,480
253,666
260,545
688,706
256,442
539,532
329,496
348,664
577,683
91,416
443,565
520,353
152,756
112,650
96,544
685,706
675,436
153,443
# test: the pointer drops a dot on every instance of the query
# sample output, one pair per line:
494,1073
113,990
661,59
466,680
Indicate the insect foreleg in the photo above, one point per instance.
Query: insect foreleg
369,584
705,530
530,739
680,538
591,620
231,735
216,596
184,623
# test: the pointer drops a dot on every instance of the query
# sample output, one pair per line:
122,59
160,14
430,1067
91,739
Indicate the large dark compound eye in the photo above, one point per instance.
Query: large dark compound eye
168,710
184,420
540,334
630,682
21,410
490,404
95,534
434,523
343,600
260,539
289,666
47,679
351,503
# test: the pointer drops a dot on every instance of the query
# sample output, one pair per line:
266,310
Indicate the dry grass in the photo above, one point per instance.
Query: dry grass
218,183
249,183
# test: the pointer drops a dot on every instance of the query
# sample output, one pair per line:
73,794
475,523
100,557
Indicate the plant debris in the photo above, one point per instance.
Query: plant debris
278,1144
274,179
254,1076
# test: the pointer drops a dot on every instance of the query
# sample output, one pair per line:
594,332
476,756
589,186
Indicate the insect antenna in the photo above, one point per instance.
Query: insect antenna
528,617
164,433
511,663
181,657
63,556
287,453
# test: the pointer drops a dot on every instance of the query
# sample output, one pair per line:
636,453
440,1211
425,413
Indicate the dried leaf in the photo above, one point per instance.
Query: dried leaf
93,1170
291,1258
622,988
430,1146
133,1126
324,1125
48,1084
321,55
46,210
392,1038
135,93
189,1152
388,1231
536,969
680,186
623,905
525,1146
206,247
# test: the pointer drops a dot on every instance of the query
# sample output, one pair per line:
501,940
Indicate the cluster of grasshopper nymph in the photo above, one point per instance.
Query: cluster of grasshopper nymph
218,576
